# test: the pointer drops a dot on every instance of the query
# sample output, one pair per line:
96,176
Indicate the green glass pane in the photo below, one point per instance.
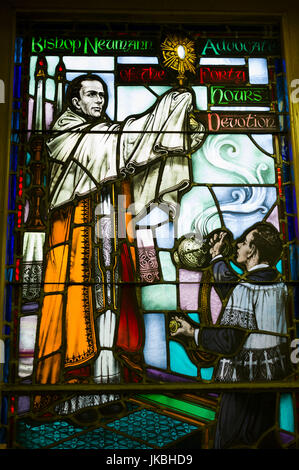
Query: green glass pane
232,159
159,297
180,405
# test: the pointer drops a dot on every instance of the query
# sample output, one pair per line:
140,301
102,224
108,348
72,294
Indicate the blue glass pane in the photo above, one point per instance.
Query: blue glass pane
7,358
242,207
265,141
13,158
18,49
155,353
4,410
286,172
16,105
294,261
12,192
165,235
289,198
291,228
280,94
10,239
17,82
8,302
278,66
15,121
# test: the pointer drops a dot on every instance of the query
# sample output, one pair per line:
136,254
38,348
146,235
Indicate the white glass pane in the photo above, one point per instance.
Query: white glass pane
265,141
52,62
89,63
137,60
221,61
50,89
160,89
133,100
258,71
33,61
201,94
240,108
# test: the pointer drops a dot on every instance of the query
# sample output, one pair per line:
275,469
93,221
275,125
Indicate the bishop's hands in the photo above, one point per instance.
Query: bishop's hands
197,132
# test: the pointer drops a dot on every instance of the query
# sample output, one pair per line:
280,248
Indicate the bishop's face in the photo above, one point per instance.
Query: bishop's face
92,99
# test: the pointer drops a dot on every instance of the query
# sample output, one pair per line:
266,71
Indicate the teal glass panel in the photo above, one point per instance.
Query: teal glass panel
236,268
279,266
194,317
179,360
159,297
151,427
206,373
286,413
167,266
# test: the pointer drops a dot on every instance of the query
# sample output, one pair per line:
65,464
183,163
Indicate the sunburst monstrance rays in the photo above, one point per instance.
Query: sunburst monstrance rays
179,54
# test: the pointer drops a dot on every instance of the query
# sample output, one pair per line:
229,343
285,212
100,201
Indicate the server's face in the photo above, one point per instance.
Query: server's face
92,99
244,248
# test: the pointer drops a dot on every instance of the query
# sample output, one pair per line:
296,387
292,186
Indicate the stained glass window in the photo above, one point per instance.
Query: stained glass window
151,262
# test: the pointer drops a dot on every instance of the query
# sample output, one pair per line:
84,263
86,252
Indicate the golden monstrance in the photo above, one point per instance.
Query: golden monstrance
179,54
